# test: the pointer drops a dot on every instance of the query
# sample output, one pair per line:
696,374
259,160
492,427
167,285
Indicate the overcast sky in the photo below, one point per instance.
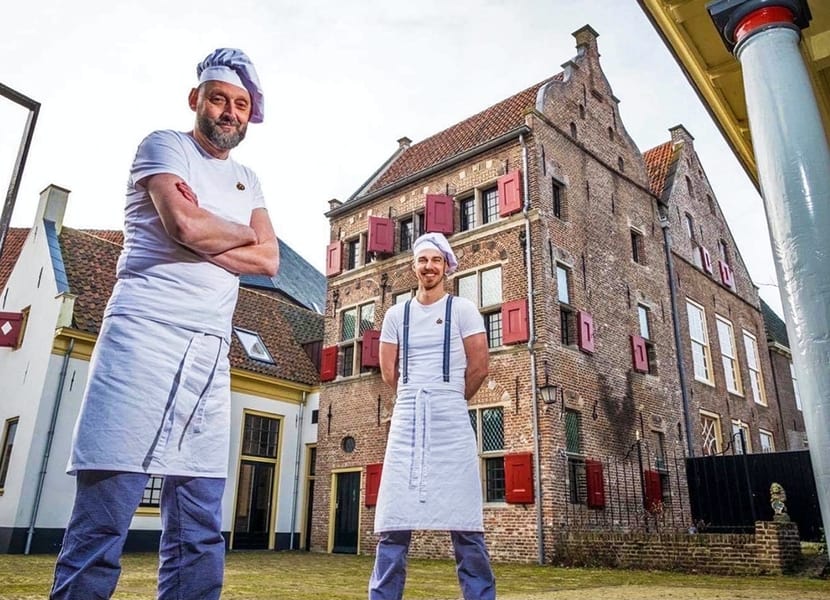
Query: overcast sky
343,80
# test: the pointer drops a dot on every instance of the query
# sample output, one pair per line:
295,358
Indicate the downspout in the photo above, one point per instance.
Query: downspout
296,491
678,341
531,342
50,436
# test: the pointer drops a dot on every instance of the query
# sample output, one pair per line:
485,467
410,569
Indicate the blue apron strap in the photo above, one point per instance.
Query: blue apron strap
405,373
447,334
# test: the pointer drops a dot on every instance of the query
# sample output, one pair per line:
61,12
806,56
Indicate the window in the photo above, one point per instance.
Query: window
151,497
411,229
741,441
701,357
483,288
710,433
638,252
488,425
484,203
567,316
577,484
8,443
558,199
644,317
690,227
260,436
467,214
353,253
660,451
253,344
795,387
723,251
726,339
756,378
401,297
354,322
767,441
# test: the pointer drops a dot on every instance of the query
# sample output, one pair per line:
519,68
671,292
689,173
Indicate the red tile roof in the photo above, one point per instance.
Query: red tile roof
11,250
90,256
659,162
487,125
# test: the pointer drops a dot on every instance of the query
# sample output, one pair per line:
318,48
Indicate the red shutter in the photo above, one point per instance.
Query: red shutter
653,500
328,363
438,216
381,235
595,484
586,331
706,260
370,348
11,329
726,274
514,322
510,193
518,478
334,258
373,473
639,354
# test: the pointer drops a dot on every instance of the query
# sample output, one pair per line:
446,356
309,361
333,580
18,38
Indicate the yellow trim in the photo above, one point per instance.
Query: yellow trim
266,386
147,511
84,343
333,508
272,526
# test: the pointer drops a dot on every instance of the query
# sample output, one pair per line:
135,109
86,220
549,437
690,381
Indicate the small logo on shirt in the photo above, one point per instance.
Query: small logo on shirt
240,186
439,320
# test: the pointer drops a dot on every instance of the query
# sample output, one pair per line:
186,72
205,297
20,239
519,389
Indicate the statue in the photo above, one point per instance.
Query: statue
777,498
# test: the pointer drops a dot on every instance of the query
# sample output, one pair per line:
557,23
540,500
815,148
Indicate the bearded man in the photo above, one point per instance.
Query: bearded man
433,352
158,397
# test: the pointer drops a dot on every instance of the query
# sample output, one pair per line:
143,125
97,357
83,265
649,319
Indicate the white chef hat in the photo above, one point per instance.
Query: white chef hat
233,66
436,241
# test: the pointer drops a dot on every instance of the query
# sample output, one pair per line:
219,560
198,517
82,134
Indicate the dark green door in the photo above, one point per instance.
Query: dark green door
346,513
253,505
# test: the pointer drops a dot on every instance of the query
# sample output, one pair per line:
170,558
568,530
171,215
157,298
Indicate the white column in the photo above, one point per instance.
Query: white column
793,161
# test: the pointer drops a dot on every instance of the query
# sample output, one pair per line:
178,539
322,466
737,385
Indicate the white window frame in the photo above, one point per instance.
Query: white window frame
491,311
770,437
354,341
250,341
701,344
483,455
729,355
753,362
476,196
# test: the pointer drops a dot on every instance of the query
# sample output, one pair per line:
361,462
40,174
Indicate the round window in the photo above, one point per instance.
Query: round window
348,444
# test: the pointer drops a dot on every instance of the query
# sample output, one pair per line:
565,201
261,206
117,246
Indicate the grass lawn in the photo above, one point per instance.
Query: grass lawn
303,576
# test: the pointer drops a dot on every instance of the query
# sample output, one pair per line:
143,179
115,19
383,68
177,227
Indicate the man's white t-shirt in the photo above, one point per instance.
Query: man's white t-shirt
426,337
160,279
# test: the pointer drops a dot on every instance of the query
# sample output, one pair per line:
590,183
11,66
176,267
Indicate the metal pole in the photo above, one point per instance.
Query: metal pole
793,160
22,154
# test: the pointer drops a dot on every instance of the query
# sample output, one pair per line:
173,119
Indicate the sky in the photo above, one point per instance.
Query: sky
342,79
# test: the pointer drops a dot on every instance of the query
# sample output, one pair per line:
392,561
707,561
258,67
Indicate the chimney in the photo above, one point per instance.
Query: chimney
334,203
52,205
586,40
680,134
404,143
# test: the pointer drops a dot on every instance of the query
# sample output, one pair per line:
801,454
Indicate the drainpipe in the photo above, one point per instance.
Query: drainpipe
296,491
49,438
793,160
678,340
531,342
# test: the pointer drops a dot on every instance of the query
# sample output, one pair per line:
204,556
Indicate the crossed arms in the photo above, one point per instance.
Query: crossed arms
243,249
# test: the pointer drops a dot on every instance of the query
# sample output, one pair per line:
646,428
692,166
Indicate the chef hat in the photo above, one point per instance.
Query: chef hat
233,66
436,241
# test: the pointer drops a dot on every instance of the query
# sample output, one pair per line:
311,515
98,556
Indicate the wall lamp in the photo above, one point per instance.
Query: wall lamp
548,391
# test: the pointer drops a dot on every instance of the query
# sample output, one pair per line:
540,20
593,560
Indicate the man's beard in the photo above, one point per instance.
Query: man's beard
212,130
426,285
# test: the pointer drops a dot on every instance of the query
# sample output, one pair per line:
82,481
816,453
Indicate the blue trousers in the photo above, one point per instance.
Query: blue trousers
472,565
191,550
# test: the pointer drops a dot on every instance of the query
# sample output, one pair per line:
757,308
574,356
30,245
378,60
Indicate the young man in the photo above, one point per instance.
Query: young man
158,397
433,351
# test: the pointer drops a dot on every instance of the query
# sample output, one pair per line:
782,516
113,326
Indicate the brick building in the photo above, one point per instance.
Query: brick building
551,210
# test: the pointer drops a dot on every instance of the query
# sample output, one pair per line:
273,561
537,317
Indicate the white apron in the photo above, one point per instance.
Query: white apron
430,477
157,401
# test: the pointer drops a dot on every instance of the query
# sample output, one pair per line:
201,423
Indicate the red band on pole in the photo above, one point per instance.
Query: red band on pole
762,17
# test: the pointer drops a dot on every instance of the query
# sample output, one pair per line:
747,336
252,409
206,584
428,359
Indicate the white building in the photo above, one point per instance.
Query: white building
54,284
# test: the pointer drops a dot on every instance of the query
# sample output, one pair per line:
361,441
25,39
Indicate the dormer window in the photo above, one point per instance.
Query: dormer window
253,345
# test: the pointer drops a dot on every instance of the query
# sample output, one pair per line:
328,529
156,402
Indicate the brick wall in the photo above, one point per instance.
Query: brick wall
773,549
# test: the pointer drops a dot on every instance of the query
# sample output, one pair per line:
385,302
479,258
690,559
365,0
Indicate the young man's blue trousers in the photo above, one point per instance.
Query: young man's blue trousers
191,550
471,559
